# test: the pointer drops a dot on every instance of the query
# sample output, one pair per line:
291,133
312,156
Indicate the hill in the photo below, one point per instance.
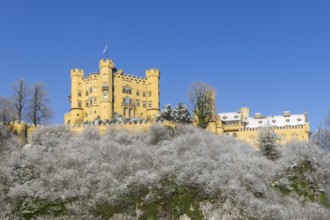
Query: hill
165,173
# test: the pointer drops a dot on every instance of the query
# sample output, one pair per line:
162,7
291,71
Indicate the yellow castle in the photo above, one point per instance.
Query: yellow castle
111,91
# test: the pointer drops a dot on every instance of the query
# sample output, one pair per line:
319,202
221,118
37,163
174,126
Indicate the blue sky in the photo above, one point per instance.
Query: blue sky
269,55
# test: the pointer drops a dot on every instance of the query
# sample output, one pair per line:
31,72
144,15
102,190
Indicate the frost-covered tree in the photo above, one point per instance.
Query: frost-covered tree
166,113
179,114
39,110
7,111
20,96
322,136
267,143
159,174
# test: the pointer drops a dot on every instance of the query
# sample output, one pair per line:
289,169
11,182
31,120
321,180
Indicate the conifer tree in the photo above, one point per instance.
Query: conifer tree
267,143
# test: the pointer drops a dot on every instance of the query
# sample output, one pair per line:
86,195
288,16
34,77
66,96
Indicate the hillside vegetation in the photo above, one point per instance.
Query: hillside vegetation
165,173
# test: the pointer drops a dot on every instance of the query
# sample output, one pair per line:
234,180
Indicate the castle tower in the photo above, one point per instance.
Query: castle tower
76,97
106,84
153,94
245,112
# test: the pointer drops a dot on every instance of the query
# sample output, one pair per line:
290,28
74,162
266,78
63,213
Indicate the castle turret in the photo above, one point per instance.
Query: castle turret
106,105
76,96
153,94
245,113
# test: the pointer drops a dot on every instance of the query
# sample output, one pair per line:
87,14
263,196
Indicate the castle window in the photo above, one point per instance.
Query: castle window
105,75
138,103
86,103
86,114
298,119
79,93
95,90
105,96
144,104
127,90
287,120
137,92
274,121
94,111
149,93
127,100
149,104
86,93
90,90
260,122
236,116
144,94
79,104
95,100
90,101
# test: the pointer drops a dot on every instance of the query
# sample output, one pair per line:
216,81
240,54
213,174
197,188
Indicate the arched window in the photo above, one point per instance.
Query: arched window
127,100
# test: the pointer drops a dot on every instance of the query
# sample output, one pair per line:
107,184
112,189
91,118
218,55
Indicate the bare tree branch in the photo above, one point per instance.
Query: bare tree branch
202,98
7,111
39,110
20,94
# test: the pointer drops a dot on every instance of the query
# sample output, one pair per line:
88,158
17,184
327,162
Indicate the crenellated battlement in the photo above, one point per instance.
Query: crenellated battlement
152,73
77,73
131,77
106,63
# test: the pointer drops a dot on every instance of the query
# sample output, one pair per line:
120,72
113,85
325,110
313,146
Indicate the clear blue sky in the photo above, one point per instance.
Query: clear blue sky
269,55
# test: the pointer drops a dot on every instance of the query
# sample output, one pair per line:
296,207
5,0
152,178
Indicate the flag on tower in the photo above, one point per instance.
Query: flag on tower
105,49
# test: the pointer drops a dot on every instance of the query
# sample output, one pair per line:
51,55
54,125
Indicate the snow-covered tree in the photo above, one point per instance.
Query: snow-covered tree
179,114
166,113
322,136
267,143
189,171
7,111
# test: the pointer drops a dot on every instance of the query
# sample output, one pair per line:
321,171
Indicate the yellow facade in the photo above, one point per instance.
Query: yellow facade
239,124
101,95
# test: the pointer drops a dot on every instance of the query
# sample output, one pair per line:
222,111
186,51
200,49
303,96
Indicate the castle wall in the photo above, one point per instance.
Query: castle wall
130,127
285,134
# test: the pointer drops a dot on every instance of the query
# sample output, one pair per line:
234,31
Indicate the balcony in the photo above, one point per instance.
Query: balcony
124,104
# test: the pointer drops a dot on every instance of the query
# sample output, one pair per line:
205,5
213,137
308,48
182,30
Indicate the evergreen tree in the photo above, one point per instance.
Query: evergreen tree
180,114
267,143
166,113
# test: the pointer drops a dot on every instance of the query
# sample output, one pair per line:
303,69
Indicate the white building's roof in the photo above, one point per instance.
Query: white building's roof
264,121
229,116
276,121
